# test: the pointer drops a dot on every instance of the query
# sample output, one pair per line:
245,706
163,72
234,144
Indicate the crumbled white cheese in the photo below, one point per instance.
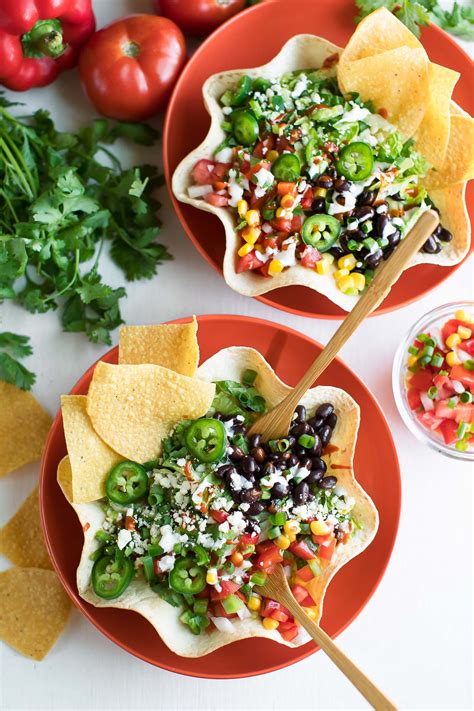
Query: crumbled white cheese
167,563
124,538
224,155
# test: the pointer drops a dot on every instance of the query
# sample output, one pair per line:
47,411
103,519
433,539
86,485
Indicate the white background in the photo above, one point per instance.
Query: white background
414,638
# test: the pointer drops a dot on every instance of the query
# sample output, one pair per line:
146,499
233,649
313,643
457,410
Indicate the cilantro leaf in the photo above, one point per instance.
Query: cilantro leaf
415,13
13,347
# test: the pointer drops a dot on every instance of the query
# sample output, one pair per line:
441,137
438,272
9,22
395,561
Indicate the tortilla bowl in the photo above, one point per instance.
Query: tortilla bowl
308,51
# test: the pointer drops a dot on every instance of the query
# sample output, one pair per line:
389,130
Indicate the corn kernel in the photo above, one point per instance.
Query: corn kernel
453,340
269,623
255,603
464,332
463,315
287,201
252,218
319,528
282,212
275,267
245,249
311,612
347,262
322,267
251,234
319,192
339,273
237,558
283,542
452,359
272,156
292,527
359,280
412,360
242,208
345,283
211,576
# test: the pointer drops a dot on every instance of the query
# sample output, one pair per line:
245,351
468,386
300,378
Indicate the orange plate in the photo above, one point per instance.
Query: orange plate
376,468
250,39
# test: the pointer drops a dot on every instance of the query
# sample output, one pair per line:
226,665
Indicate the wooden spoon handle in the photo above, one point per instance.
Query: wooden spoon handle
386,276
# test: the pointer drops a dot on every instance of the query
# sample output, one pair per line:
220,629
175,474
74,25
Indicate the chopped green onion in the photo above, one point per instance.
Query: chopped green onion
469,364
413,350
428,351
249,376
283,445
95,555
432,392
200,606
304,527
315,568
452,403
437,360
229,567
461,446
466,397
425,360
102,536
232,604
258,578
306,441
443,372
423,337
279,518
274,532
462,429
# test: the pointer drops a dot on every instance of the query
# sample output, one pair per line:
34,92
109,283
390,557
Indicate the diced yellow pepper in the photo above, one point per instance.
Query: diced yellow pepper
211,577
463,315
272,156
348,261
345,283
359,280
464,332
255,602
287,201
275,267
245,249
452,359
453,340
339,273
252,218
319,192
319,528
282,542
251,234
412,360
269,623
322,267
242,208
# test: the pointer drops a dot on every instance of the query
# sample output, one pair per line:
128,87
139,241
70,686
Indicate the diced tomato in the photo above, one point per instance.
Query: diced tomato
275,610
130,523
270,242
321,539
429,420
286,188
326,550
289,634
262,147
444,385
448,430
264,269
310,257
282,224
468,346
202,172
421,380
465,376
307,199
257,202
299,593
283,144
296,223
458,413
249,539
248,262
220,170
228,587
219,611
265,546
219,516
287,625
216,199
305,574
307,602
302,550
268,558
413,397
204,594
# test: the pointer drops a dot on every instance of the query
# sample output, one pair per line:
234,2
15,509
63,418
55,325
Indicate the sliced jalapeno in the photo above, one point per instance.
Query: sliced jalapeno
187,577
111,575
321,231
287,168
245,128
126,483
356,161
206,439
244,87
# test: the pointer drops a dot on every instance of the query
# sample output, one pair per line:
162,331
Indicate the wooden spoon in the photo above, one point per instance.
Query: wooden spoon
276,588
276,423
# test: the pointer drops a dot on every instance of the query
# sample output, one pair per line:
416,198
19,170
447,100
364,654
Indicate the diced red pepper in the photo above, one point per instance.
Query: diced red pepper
299,593
249,539
444,385
421,380
302,550
296,223
413,397
219,611
326,550
452,326
468,346
305,574
282,224
228,587
275,610
459,413
429,420
449,431
289,634
269,557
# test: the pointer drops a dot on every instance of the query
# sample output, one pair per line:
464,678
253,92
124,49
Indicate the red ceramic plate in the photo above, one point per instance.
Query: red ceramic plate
376,468
253,38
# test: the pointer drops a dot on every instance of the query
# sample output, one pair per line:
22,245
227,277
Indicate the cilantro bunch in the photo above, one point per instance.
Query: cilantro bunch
12,348
59,206
414,13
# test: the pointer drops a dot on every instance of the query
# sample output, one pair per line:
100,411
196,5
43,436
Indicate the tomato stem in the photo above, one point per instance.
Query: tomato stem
131,49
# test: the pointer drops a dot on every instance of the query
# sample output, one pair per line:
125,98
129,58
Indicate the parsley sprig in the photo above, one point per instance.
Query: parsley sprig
59,206
12,348
415,13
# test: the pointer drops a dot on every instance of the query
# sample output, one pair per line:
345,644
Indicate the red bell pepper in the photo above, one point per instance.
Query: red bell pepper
41,38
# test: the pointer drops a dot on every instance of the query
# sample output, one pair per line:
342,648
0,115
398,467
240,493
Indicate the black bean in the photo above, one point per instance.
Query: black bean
381,208
292,461
373,260
227,418
337,251
318,205
225,470
332,172
240,429
444,235
255,441
300,494
252,527
380,224
258,453
291,441
236,454
342,185
356,235
319,464
254,509
364,213
394,238
328,482
248,496
431,246
338,534
344,240
300,414
248,464
313,477
299,451
325,433
302,428
317,446
306,463
268,469
331,420
325,181
324,410
315,422
218,416
366,197
279,490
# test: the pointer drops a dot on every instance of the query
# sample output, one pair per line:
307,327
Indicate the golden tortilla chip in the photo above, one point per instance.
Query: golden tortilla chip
458,165
172,346
132,407
34,610
64,477
432,135
396,81
21,539
378,32
91,459
24,426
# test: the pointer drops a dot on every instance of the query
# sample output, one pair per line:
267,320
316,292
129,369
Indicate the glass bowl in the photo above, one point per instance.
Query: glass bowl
432,320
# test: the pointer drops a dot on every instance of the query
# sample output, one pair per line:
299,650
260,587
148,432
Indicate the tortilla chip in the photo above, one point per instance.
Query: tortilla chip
172,346
432,135
458,165
21,539
34,610
64,477
379,32
132,407
396,80
230,364
24,426
90,458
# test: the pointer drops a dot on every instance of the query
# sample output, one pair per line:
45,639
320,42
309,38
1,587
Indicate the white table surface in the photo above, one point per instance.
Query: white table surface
414,638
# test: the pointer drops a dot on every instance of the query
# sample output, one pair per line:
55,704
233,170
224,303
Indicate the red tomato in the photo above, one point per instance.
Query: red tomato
281,224
429,420
227,588
452,326
250,261
268,557
448,430
275,610
202,173
326,550
299,593
286,188
296,223
128,68
301,550
216,199
305,574
262,148
219,611
309,257
307,199
290,633
466,377
421,380
249,539
444,385
459,413
467,346
413,397
199,17
219,516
